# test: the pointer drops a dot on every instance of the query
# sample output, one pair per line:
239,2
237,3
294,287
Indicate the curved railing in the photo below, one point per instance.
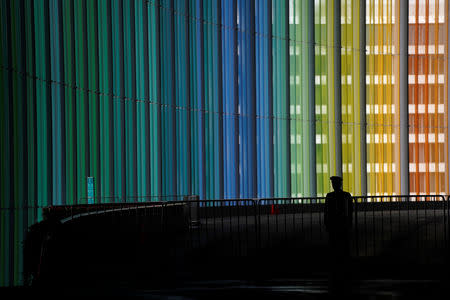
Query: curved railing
391,226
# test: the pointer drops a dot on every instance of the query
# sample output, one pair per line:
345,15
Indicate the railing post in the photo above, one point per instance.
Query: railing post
193,202
355,206
447,220
256,203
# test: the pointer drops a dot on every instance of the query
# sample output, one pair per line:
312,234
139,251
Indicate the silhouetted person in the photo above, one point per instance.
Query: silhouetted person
338,222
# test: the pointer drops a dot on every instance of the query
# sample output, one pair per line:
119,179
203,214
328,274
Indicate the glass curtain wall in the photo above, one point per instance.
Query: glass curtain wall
324,107
299,92
428,104
382,100
351,104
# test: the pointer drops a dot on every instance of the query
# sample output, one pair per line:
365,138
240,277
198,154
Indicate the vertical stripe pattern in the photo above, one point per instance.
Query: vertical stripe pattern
219,99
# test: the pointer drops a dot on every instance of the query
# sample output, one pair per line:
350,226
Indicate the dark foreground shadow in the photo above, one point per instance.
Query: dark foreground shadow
122,257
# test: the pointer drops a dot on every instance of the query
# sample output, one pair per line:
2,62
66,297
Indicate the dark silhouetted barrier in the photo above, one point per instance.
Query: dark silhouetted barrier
151,242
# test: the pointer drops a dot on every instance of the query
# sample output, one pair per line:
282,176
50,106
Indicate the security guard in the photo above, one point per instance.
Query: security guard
338,222
338,217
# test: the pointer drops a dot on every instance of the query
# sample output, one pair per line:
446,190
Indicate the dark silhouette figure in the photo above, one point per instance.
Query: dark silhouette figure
338,222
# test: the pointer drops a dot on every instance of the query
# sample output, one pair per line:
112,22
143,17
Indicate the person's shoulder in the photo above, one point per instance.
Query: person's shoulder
347,195
330,194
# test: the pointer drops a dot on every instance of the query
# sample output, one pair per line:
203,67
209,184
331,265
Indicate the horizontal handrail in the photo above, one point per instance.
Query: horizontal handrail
191,199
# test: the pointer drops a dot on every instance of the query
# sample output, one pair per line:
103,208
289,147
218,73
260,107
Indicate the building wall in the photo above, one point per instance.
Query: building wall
382,101
428,104
213,98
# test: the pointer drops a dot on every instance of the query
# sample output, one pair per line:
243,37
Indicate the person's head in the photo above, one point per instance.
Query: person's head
336,182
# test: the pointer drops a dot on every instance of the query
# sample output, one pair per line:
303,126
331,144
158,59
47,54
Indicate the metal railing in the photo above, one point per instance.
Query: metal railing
128,199
194,232
378,220
416,224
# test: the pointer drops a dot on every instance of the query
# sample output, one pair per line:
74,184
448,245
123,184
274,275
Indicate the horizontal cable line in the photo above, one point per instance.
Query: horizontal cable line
255,33
129,99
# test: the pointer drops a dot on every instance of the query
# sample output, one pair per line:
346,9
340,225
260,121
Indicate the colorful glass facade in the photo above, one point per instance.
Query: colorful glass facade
382,100
222,99
428,98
